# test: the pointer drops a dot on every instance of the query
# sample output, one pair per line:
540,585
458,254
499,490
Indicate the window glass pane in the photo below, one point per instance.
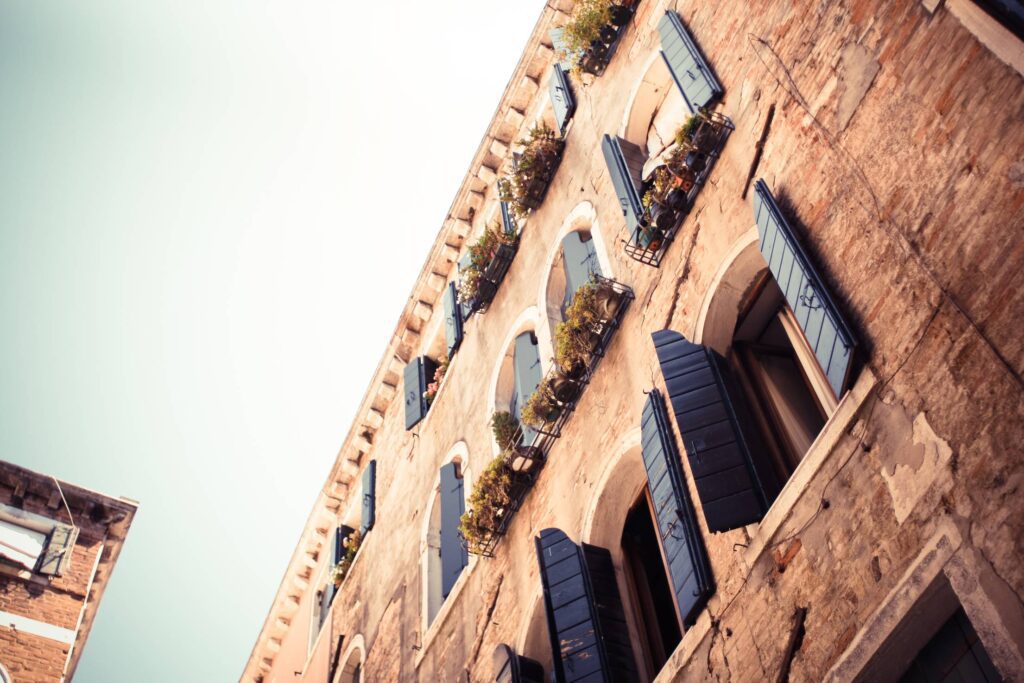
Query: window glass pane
21,545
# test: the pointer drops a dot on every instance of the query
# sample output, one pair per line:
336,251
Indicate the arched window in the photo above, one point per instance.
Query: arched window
444,555
351,670
579,263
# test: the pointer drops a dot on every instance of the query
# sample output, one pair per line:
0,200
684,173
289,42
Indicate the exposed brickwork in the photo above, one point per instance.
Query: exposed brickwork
908,193
31,659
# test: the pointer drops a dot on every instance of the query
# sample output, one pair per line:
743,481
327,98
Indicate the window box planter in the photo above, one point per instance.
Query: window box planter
588,42
497,494
699,143
485,266
532,170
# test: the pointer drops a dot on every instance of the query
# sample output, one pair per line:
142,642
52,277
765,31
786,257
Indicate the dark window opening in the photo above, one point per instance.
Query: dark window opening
1009,13
954,654
785,406
649,583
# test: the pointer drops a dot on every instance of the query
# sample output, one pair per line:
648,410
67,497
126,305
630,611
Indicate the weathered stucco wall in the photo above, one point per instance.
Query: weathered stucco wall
897,148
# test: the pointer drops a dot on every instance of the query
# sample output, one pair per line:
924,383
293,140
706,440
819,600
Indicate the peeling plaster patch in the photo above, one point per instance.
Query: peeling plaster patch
857,71
916,469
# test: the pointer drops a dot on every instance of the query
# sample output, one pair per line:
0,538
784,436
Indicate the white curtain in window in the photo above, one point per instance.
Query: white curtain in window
21,545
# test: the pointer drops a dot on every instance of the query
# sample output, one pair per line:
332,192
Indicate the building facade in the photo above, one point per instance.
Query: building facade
58,546
732,388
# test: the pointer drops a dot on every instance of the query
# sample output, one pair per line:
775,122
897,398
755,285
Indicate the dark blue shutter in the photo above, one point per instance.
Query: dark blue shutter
452,319
690,70
527,374
512,668
826,331
341,535
579,260
508,221
732,492
369,497
326,598
453,503
625,162
586,623
681,542
562,101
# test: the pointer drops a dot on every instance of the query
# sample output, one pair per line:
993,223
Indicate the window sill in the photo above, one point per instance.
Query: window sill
818,454
446,608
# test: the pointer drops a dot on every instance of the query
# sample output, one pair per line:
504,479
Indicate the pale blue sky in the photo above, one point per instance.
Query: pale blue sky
211,214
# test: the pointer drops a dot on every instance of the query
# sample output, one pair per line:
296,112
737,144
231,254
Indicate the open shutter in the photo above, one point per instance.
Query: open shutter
579,260
681,543
690,70
732,492
341,535
826,331
369,497
586,623
60,544
452,319
625,162
414,384
508,221
562,101
561,51
527,374
512,668
326,598
454,556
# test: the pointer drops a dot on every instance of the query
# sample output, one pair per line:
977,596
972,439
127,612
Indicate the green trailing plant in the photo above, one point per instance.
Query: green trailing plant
488,503
505,427
574,335
344,566
685,132
541,407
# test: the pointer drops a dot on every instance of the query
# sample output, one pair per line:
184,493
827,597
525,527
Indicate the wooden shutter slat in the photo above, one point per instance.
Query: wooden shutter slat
579,260
369,517
413,386
824,327
454,556
733,491
626,186
512,668
527,375
452,319
690,71
686,557
584,611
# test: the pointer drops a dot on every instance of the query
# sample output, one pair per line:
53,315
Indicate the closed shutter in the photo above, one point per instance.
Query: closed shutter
369,497
527,374
681,543
818,315
586,623
690,70
512,668
452,319
733,493
625,162
562,101
579,260
454,556
60,544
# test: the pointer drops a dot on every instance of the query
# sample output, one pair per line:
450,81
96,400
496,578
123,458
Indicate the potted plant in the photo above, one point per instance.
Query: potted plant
542,407
341,570
442,368
505,427
489,504
474,279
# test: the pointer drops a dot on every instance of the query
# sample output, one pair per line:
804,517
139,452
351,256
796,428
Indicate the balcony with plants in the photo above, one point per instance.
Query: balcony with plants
587,43
581,340
486,263
533,168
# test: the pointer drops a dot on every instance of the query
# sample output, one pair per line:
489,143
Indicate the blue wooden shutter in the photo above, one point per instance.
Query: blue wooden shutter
508,221
326,598
733,493
341,535
690,70
454,556
527,374
452,319
418,373
466,307
369,497
586,623
579,260
818,315
512,668
562,101
558,44
625,162
681,543
56,556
